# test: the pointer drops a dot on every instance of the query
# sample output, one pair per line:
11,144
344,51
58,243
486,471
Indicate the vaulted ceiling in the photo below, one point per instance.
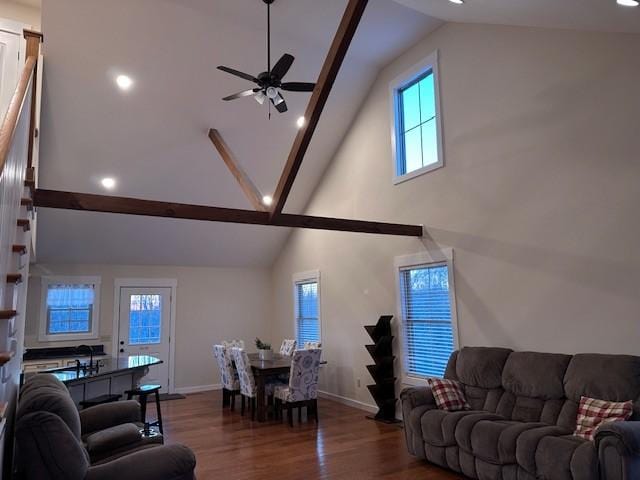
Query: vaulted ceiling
153,138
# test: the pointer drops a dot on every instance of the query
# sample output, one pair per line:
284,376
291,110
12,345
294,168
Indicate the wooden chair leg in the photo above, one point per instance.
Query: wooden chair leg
233,400
290,414
315,409
242,405
300,413
159,412
253,408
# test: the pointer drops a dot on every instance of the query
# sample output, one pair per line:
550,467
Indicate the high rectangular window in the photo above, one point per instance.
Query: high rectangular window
416,130
427,311
69,308
307,308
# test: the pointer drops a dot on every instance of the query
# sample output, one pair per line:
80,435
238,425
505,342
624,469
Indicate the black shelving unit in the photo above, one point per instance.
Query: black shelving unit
381,351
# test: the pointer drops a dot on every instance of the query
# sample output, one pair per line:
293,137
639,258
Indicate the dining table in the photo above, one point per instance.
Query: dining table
263,370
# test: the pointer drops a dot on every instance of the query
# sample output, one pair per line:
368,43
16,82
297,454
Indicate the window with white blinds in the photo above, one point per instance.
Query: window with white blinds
69,308
427,319
307,310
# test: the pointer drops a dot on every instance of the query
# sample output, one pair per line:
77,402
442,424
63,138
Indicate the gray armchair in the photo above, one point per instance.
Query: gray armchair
55,441
618,447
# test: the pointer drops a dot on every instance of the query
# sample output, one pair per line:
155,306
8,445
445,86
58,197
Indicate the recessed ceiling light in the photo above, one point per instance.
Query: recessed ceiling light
457,2
267,200
108,183
628,3
300,122
124,82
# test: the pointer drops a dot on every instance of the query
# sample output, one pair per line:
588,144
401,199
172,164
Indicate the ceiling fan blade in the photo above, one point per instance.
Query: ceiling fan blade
246,93
283,65
237,73
280,104
298,86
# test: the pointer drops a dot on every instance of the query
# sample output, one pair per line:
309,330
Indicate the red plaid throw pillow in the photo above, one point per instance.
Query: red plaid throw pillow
592,413
448,394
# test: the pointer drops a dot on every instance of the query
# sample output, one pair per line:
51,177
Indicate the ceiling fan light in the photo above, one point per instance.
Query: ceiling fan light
272,93
278,99
628,3
260,97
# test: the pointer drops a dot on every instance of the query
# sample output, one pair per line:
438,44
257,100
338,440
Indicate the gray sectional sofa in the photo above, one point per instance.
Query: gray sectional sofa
523,413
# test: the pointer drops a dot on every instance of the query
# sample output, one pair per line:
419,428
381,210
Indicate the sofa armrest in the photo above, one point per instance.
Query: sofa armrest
618,445
112,438
109,415
414,397
170,462
416,401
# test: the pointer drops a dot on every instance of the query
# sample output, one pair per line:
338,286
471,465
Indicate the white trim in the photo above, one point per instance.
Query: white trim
300,277
350,402
13,26
198,389
443,256
428,63
45,281
171,283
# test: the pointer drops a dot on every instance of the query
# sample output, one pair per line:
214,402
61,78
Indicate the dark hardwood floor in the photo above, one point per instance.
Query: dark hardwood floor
344,445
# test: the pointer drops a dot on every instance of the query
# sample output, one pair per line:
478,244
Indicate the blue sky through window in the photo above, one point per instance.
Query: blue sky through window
418,133
69,308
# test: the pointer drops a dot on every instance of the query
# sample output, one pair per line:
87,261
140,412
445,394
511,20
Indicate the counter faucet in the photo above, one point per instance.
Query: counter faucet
90,349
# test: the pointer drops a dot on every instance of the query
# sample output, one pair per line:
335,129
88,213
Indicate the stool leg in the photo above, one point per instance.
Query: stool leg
129,395
299,413
159,412
143,407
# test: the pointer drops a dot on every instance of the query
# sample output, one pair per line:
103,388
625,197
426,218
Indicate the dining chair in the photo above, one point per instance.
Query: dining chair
288,347
248,389
229,377
233,343
302,390
312,345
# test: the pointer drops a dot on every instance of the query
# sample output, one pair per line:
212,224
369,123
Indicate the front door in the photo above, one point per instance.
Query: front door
144,328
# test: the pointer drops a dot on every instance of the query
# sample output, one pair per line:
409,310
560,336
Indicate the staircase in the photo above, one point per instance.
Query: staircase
18,162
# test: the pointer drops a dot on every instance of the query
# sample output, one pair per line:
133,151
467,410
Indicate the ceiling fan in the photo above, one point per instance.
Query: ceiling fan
270,82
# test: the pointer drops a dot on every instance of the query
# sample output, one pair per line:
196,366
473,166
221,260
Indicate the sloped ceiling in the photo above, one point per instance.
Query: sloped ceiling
595,15
153,140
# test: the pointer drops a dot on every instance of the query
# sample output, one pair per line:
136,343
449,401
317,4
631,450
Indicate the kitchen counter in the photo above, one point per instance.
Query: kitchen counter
113,376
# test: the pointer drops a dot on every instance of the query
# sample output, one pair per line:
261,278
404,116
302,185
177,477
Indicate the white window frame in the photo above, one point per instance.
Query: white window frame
302,277
418,70
43,335
424,259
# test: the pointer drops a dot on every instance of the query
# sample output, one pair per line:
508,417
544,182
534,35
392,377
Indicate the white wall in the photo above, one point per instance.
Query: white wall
21,13
212,304
539,200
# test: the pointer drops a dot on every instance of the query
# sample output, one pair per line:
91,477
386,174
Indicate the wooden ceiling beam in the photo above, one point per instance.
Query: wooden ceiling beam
248,187
152,208
326,79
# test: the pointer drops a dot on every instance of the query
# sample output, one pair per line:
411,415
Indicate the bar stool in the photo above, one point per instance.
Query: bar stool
143,392
92,402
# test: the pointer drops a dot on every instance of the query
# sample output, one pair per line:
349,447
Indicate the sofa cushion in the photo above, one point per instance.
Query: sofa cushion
481,366
593,412
615,378
494,441
535,375
448,394
466,425
113,438
49,398
439,426
528,441
566,458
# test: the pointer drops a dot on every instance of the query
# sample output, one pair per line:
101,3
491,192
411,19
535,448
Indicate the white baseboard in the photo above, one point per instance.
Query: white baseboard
198,388
348,401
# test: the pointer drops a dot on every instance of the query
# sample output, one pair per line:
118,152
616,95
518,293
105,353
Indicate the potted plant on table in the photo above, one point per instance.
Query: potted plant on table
264,350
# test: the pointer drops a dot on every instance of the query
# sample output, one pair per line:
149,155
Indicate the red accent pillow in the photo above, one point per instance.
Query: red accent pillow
448,394
592,413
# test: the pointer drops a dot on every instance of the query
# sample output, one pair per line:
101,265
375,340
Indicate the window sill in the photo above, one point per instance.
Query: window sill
416,173
65,337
